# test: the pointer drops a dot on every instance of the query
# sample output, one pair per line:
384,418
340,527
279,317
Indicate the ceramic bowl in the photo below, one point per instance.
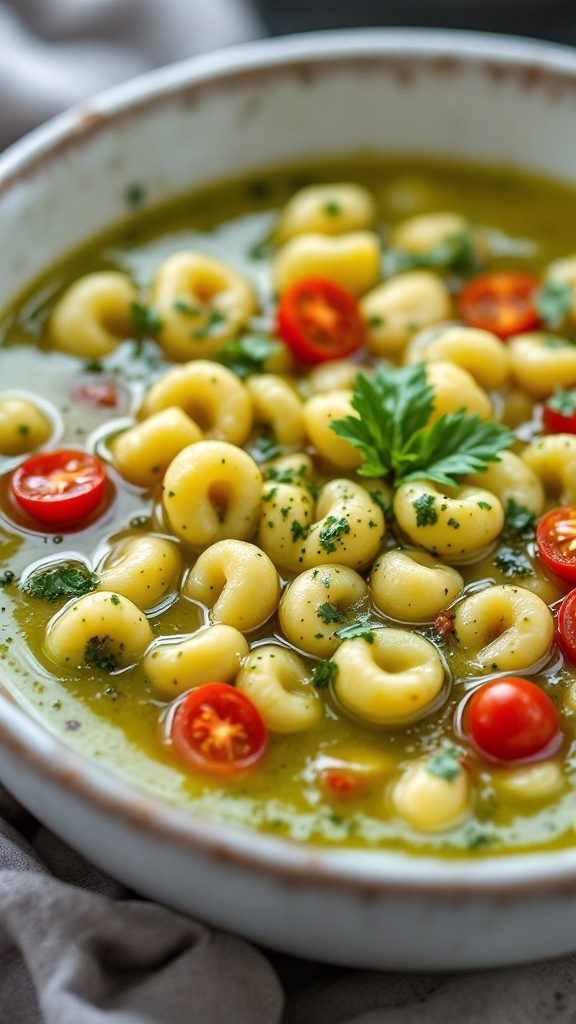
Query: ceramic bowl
484,99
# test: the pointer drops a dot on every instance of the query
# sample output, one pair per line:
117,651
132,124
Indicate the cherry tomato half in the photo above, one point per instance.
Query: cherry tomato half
556,540
59,487
319,320
511,719
501,301
218,730
567,625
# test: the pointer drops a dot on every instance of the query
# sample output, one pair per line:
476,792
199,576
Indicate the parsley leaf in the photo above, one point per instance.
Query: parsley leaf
99,654
455,252
553,302
248,354
445,765
361,628
519,519
61,581
392,433
144,320
328,613
331,533
324,673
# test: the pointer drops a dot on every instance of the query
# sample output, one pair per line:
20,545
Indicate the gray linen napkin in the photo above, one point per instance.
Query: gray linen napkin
78,948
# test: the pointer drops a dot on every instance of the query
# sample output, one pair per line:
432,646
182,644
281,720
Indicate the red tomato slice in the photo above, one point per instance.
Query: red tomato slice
567,625
511,719
99,394
319,320
501,301
556,540
218,730
59,487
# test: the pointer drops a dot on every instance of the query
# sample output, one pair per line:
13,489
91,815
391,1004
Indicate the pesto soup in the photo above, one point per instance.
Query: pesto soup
288,505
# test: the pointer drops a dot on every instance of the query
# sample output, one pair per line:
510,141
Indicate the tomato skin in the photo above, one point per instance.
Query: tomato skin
342,784
556,422
319,320
511,719
60,487
501,301
219,731
100,394
556,540
567,625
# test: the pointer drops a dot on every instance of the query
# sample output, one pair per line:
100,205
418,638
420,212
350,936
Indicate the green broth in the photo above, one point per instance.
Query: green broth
117,719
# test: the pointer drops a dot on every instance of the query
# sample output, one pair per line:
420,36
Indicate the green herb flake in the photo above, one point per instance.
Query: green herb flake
144,321
513,563
212,326
360,629
248,355
98,654
445,765
553,302
23,429
184,307
426,514
391,431
331,534
324,673
135,196
519,519
484,505
332,208
299,532
114,599
328,613
61,581
456,253
453,523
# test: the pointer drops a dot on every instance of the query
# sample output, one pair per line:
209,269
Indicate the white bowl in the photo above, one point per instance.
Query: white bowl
486,99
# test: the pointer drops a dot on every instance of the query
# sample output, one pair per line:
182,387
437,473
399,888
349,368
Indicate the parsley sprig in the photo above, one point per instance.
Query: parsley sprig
396,441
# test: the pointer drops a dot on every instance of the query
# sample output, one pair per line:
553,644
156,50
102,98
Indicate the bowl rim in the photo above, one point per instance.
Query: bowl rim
48,757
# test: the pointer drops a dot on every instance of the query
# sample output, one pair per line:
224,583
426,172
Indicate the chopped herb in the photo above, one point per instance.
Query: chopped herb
380,498
324,673
332,208
520,520
553,302
23,429
93,366
513,562
393,434
484,505
446,764
331,533
210,329
6,577
455,252
299,532
184,307
61,581
328,613
248,354
453,523
98,654
286,476
361,629
426,514
258,190
144,321
263,448
135,196
563,401
259,251
114,599
375,320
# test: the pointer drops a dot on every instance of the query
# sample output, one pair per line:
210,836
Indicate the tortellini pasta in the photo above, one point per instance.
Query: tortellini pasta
394,311
479,352
553,461
211,395
276,681
278,405
412,586
174,666
237,583
99,630
427,231
393,679
23,425
457,523
318,603
142,453
542,362
201,303
327,210
94,315
430,801
212,491
319,413
351,260
503,629
146,570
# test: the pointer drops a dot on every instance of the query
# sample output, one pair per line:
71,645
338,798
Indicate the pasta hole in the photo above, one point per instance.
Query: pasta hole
219,497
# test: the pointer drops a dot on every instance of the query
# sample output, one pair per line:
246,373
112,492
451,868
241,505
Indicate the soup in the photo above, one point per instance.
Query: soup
287,518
